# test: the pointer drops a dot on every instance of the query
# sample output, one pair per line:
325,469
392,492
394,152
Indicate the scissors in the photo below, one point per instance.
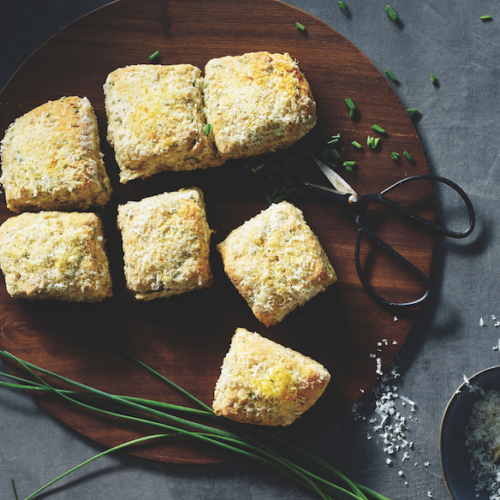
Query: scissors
343,194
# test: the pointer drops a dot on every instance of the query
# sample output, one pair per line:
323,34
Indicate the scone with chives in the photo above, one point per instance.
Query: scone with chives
156,120
256,103
166,244
276,262
51,159
265,383
55,255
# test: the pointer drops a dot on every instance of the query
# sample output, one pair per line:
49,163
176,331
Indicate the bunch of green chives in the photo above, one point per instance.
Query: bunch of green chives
290,460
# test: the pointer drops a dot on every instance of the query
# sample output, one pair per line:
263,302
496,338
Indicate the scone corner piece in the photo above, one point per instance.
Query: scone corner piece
265,383
156,120
166,244
55,255
51,159
257,102
276,262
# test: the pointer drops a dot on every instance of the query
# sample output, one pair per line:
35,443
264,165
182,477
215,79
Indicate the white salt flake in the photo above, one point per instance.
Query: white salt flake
401,473
395,318
481,322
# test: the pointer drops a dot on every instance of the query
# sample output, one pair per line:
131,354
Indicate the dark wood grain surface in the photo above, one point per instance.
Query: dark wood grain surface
186,337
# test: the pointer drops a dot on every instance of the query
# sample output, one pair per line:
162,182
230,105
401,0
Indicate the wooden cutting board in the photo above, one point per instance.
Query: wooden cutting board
186,337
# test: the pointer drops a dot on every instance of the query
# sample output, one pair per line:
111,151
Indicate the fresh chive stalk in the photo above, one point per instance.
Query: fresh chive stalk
153,56
272,451
378,129
412,110
390,12
395,156
391,76
299,26
13,488
342,6
407,155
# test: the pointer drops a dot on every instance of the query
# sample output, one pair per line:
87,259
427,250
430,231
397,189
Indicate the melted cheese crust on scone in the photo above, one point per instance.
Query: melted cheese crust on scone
276,262
55,255
264,383
157,120
166,244
51,159
256,103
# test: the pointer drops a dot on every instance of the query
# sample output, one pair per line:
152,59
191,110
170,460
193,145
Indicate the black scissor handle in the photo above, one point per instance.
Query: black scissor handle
397,256
398,208
363,202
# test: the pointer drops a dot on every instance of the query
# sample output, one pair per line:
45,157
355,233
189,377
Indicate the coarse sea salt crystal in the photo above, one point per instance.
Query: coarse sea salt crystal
481,322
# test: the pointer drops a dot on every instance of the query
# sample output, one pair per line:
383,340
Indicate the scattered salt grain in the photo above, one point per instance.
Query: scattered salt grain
401,473
395,318
481,322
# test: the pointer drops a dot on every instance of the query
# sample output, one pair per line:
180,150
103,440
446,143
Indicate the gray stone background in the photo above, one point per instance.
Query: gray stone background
459,127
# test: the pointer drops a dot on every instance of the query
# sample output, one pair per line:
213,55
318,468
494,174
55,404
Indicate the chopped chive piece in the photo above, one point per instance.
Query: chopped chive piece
433,79
333,141
357,145
336,137
395,156
349,163
154,55
13,488
342,6
369,141
300,27
376,140
378,129
351,114
349,169
269,200
335,153
331,164
326,154
407,155
307,153
391,76
485,18
350,104
391,13
412,110
208,128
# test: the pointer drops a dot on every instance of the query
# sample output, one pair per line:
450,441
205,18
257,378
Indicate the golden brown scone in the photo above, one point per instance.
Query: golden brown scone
156,120
276,262
166,244
55,255
257,102
264,383
51,159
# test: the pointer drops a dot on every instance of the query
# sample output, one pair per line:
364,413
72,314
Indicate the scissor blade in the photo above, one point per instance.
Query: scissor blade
338,183
331,194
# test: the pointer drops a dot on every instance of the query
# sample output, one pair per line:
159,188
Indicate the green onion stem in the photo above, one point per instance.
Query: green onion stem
378,129
13,488
391,76
119,447
153,56
391,13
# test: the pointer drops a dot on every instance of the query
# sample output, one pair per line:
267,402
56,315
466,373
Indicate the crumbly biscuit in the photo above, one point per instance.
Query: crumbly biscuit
166,244
55,255
264,383
51,159
256,103
156,120
276,262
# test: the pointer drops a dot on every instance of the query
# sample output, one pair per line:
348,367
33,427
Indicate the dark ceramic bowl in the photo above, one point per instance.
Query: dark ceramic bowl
452,451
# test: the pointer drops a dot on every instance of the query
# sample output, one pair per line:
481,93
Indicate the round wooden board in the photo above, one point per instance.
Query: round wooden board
186,337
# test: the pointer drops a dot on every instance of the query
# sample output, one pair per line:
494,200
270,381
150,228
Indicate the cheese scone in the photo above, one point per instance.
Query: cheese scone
55,255
276,262
256,103
51,159
156,120
166,244
264,383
